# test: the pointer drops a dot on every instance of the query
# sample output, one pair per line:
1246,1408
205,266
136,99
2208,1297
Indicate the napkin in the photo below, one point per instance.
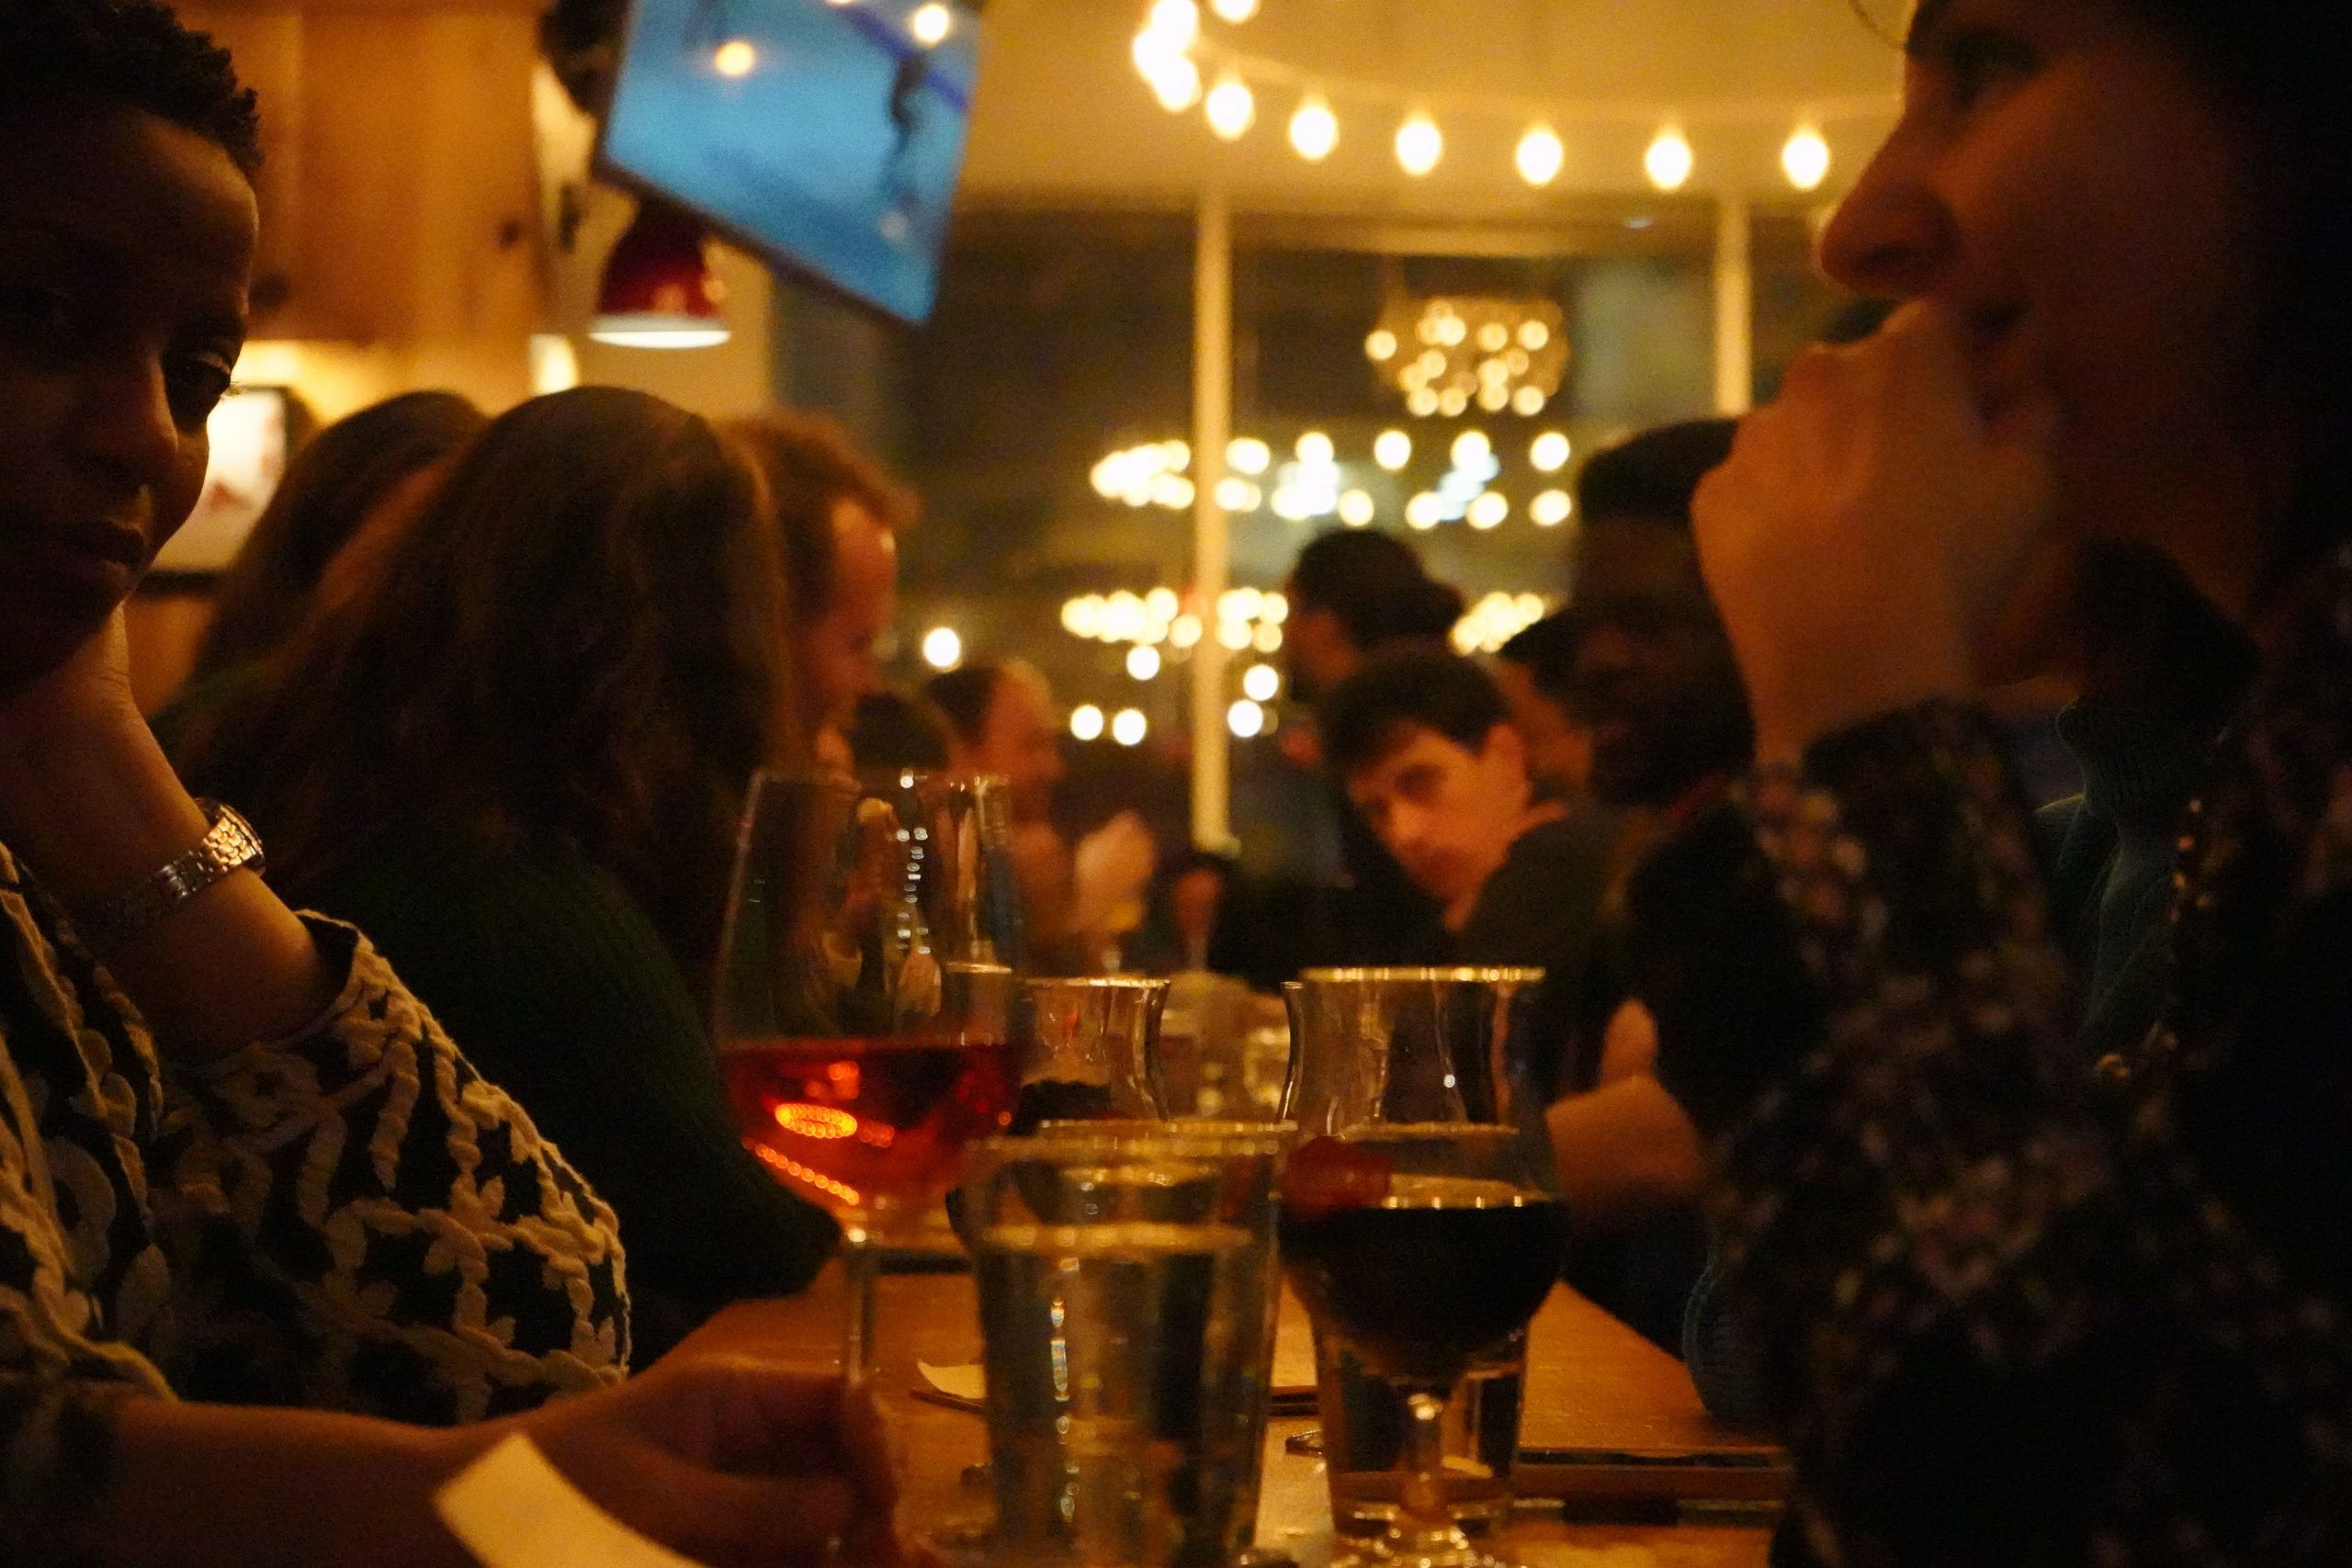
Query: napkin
514,1509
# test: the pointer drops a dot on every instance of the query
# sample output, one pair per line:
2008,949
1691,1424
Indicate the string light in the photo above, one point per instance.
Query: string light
1488,511
1424,512
1230,108
942,649
1176,82
931,24
735,58
1259,683
1550,452
1669,161
1380,345
1471,448
1315,447
1550,508
1392,449
1246,719
1086,723
1541,155
1419,145
1234,11
1175,23
1805,160
1528,401
1248,455
1314,129
1356,509
1130,727
1142,661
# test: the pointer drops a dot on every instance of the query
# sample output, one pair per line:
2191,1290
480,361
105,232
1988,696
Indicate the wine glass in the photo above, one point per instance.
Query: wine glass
866,992
1421,1220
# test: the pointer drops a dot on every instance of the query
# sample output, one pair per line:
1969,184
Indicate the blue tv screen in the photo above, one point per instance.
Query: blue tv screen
826,134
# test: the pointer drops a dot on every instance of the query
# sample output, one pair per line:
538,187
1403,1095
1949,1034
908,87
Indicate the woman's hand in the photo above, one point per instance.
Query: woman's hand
732,1460
1869,529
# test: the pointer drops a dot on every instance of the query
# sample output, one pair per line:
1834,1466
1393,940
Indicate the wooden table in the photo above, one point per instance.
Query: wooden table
1591,1382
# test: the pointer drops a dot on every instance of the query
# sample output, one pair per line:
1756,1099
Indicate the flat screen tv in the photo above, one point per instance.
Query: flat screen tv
825,134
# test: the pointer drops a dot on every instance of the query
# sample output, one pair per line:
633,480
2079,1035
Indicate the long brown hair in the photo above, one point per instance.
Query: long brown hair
333,483
579,639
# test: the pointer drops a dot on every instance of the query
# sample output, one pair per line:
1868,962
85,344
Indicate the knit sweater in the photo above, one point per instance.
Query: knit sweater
568,997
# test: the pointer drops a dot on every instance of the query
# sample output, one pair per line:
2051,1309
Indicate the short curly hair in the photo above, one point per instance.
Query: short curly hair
134,52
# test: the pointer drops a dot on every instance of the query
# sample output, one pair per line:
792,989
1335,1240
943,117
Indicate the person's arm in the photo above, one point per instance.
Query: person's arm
88,801
729,1460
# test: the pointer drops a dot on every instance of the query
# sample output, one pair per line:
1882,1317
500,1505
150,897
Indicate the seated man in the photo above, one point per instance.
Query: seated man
1534,670
1422,743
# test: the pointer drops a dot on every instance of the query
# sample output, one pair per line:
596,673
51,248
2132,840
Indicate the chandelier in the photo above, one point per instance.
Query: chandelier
1448,354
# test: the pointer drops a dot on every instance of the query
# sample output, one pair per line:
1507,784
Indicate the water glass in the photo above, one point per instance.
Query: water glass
1127,1296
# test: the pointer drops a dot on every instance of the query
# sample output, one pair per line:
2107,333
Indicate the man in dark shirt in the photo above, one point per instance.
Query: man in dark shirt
1422,743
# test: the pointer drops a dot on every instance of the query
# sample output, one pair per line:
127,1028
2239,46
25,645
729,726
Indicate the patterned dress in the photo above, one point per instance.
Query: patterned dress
349,1220
2012,1307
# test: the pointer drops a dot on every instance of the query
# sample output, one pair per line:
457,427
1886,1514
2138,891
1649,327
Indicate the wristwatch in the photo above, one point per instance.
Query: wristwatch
229,845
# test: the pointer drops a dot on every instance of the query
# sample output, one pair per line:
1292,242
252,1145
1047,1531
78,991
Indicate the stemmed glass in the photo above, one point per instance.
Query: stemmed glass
865,998
1422,1221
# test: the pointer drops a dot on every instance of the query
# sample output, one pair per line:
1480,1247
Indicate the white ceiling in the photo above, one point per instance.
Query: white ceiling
1062,116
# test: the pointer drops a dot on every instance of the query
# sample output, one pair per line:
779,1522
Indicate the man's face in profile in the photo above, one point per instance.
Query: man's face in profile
1654,676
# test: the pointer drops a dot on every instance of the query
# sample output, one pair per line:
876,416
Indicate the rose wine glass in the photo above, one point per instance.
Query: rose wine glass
865,998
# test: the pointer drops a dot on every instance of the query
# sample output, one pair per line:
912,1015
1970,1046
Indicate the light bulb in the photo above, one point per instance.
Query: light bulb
1550,452
1314,129
1234,11
1392,449
1130,727
1230,107
1381,345
1316,449
1259,683
942,649
1142,661
1424,512
1805,160
1419,145
1550,508
1246,719
1472,447
1668,160
931,24
1175,23
1086,722
1248,455
1356,509
735,58
1176,82
1541,155
1488,511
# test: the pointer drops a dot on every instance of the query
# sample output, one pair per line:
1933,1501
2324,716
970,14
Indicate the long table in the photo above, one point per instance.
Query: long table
1592,1383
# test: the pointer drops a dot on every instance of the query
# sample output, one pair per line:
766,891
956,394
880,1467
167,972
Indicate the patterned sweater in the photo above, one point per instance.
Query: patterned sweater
2013,1307
351,1220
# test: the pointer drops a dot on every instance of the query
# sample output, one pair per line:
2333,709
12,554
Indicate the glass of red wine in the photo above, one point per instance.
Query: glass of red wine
1422,1221
865,999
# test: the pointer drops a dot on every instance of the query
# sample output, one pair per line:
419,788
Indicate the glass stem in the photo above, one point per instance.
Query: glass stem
861,1263
1425,1520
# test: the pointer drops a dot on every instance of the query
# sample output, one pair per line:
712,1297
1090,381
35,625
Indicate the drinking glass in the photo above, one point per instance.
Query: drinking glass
1093,1046
1421,1219
1126,1287
865,999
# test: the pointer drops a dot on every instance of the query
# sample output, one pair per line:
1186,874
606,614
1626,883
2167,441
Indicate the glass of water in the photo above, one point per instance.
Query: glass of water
1127,1296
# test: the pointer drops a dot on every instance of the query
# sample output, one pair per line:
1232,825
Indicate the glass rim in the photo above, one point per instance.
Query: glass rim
1094,982
1418,975
1064,1146
847,783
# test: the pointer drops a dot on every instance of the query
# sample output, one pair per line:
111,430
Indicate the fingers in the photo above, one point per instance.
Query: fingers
743,1521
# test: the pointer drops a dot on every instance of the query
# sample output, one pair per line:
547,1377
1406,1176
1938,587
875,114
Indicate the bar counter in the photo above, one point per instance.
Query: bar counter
1592,1384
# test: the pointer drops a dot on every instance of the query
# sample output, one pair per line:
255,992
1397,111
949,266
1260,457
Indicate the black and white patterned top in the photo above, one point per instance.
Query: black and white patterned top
349,1220
2013,1307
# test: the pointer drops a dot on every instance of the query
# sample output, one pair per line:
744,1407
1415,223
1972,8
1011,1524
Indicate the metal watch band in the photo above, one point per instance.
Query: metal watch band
229,846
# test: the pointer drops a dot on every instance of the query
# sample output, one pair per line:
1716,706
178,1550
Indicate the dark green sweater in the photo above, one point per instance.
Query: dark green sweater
560,990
